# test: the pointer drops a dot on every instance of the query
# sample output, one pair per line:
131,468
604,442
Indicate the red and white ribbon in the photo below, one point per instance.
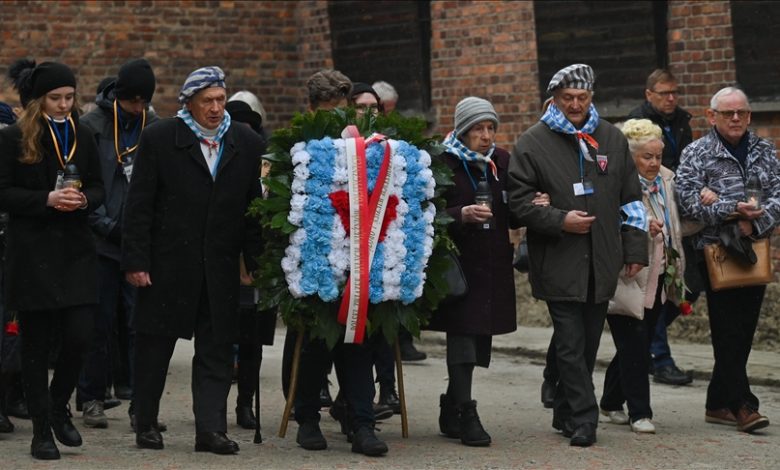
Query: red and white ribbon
363,237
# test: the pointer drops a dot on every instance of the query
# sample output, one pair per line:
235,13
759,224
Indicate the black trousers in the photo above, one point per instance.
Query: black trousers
40,329
353,363
627,379
577,332
733,319
287,359
212,370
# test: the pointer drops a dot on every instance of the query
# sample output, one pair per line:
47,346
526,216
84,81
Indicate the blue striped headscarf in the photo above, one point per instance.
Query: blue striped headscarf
204,77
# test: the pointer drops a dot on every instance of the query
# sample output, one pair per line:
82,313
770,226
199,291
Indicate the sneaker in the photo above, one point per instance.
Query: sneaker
643,425
94,415
616,417
721,416
749,420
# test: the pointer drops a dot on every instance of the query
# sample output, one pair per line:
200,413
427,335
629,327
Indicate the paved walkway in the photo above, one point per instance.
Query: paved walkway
763,366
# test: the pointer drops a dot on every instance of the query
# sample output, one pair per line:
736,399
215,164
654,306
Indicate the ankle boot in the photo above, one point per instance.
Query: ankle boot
449,424
43,446
63,427
471,431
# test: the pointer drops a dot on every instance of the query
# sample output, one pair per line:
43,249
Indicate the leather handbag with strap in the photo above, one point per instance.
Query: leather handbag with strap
727,271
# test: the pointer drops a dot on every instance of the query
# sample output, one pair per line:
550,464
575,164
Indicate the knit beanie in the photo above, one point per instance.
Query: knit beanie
472,110
135,79
33,81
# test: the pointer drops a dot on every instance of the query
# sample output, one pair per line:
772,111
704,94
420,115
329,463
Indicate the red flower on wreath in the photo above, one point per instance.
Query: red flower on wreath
340,202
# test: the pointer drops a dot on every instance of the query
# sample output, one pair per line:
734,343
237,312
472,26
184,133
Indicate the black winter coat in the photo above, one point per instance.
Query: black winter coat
51,260
187,230
485,255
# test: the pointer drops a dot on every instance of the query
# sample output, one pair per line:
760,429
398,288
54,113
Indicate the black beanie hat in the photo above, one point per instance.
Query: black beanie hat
135,79
33,81
358,88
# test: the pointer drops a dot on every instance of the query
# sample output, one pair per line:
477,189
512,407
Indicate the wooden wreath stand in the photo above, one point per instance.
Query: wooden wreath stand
294,385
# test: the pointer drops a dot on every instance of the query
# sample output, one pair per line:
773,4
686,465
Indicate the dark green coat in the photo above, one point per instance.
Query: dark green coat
51,261
561,262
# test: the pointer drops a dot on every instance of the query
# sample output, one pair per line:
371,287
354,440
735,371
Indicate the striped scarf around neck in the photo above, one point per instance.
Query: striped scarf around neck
557,122
212,142
456,147
657,197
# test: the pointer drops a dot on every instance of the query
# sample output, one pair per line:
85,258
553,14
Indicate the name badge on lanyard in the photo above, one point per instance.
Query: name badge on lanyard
583,188
127,167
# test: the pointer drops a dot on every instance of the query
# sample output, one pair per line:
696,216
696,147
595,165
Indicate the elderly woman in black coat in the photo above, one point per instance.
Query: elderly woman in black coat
482,237
51,260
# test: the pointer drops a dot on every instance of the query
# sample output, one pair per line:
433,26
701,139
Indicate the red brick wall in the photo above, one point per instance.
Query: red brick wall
486,49
701,54
259,44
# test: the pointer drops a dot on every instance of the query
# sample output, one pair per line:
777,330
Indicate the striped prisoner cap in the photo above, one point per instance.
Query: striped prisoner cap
578,76
204,77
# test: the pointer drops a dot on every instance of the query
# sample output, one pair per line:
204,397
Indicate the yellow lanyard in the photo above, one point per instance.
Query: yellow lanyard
63,161
129,150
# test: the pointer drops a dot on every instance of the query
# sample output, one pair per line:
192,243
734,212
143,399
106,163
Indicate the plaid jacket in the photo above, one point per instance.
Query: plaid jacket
706,162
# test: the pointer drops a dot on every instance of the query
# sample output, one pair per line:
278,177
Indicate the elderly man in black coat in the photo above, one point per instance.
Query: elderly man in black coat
185,226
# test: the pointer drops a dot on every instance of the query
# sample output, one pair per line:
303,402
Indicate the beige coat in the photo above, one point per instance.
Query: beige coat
633,295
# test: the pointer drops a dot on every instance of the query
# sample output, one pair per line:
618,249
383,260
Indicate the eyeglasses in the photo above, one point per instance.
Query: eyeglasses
728,114
666,94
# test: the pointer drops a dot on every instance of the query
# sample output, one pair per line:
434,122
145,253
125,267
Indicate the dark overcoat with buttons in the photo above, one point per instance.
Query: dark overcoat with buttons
187,230
51,260
485,255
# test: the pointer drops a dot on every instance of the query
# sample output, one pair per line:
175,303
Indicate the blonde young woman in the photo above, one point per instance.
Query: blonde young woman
51,259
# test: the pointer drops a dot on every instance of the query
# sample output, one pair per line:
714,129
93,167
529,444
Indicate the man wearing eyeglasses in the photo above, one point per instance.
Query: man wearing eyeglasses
725,159
661,107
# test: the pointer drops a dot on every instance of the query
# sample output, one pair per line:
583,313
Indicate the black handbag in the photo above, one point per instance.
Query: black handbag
521,257
458,287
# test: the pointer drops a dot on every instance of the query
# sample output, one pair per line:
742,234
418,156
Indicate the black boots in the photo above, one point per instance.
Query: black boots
471,431
43,446
63,427
449,423
462,422
365,442
245,417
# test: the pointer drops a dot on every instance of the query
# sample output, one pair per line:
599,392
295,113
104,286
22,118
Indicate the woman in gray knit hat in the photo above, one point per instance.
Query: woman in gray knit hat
481,233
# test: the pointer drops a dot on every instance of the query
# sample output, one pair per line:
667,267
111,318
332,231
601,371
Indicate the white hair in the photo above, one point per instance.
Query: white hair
252,100
729,90
385,91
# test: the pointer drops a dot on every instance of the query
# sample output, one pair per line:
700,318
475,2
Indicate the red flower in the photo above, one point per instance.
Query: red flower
340,202
686,308
12,328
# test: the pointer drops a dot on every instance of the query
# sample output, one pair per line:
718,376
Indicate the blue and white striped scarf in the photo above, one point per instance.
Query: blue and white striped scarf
456,147
633,213
184,115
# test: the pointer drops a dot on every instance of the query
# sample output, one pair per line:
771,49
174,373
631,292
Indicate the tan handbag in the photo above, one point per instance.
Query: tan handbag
725,272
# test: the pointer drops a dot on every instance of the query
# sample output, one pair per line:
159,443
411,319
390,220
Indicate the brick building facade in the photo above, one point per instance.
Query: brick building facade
484,48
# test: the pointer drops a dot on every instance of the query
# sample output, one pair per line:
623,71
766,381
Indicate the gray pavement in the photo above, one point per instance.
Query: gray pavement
508,396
